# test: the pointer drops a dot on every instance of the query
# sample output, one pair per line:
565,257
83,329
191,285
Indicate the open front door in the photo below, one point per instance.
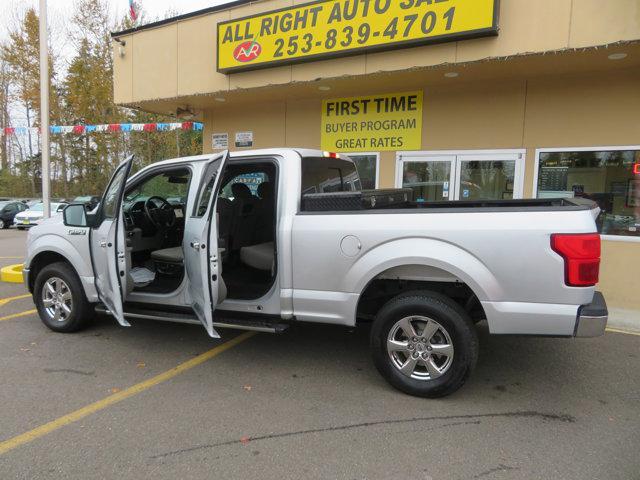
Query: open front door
201,245
108,245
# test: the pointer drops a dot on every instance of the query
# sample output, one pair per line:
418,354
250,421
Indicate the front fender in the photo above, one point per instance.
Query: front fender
63,247
427,252
78,257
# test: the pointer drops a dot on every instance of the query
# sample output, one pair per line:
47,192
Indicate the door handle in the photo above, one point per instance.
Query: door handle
195,245
103,244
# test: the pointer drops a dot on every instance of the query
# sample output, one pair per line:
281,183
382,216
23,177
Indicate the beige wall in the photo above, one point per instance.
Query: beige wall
178,60
568,111
526,103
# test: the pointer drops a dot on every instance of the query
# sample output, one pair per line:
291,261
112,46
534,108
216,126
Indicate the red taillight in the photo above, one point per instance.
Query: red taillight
331,154
636,168
581,253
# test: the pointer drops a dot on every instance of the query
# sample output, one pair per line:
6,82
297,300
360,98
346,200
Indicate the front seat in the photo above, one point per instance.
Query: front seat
175,258
265,225
244,216
260,257
173,255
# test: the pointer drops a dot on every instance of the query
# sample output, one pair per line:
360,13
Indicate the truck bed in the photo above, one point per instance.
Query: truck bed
358,202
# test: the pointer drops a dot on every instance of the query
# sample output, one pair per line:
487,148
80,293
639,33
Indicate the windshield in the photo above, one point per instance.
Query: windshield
39,207
3,204
83,199
173,185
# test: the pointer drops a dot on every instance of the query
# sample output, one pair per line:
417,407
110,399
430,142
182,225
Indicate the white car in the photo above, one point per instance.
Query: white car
33,216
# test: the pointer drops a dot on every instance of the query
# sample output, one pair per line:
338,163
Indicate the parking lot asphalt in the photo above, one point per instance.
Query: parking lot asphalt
304,404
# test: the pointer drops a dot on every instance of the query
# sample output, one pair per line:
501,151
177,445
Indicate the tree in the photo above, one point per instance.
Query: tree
4,115
81,93
22,58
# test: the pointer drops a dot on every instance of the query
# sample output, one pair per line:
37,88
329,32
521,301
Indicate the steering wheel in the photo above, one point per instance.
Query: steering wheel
160,212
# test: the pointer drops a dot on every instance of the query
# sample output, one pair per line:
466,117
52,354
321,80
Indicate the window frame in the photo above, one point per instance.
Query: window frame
139,177
362,154
610,148
519,174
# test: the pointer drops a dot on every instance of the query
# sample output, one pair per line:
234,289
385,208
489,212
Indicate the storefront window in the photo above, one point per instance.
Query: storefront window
487,180
367,165
468,175
429,180
611,178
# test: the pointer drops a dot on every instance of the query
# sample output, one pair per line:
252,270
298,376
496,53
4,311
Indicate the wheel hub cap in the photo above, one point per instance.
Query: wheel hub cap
57,299
420,348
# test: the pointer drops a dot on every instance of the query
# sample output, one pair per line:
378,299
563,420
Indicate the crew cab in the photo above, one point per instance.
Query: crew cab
260,240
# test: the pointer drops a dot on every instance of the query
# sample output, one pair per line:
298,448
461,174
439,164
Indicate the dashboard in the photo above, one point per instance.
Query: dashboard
135,216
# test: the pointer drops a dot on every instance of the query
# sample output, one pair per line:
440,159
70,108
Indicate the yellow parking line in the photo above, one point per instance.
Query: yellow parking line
118,397
620,330
18,315
4,301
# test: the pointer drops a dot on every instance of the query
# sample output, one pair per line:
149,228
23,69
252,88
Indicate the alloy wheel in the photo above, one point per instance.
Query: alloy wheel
57,299
420,348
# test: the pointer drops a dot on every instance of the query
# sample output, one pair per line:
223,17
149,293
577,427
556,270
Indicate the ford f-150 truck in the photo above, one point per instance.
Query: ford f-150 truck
263,239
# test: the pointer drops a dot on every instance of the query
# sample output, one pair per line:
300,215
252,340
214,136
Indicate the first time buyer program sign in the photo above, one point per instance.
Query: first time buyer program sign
332,28
376,122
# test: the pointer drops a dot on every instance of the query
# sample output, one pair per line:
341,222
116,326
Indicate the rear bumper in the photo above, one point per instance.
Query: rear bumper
592,318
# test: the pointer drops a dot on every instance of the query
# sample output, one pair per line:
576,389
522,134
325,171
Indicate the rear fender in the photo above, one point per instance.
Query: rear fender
430,253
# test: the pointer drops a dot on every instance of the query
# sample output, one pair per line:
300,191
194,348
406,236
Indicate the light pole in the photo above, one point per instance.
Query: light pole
44,108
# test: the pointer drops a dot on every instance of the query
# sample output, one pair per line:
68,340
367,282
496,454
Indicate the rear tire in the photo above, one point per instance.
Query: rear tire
424,344
4,224
20,228
60,299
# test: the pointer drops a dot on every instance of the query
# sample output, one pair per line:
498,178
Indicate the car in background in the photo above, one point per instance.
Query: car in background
90,201
8,210
30,202
32,217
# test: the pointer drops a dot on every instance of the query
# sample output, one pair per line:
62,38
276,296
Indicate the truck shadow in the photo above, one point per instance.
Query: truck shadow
519,368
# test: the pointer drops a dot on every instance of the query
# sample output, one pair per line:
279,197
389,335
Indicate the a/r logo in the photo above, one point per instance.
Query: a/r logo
247,51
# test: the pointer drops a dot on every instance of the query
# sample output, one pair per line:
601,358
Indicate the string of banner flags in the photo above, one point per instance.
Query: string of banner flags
105,128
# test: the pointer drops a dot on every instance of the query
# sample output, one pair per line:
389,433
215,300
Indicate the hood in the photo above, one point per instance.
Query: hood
54,219
29,214
44,227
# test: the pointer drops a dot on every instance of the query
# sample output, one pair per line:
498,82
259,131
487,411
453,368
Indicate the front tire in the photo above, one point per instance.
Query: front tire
424,344
60,299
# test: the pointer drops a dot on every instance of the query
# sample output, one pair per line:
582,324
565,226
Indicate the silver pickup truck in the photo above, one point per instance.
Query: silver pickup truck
260,240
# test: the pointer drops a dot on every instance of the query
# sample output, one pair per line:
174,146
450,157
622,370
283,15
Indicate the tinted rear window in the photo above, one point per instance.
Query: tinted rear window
322,175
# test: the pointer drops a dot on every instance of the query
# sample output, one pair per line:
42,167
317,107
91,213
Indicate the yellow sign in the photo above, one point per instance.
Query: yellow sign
330,28
374,123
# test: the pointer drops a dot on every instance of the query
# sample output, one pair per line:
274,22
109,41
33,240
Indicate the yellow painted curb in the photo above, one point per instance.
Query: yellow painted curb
11,274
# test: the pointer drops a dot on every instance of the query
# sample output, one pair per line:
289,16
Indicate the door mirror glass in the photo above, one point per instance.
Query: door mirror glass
75,215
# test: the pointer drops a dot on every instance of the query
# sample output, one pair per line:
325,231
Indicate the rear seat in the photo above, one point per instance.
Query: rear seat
259,256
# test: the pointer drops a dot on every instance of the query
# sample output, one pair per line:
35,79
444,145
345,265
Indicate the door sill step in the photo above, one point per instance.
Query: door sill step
255,323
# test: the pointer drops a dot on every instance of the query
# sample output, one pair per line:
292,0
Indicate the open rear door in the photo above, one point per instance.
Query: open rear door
201,245
108,245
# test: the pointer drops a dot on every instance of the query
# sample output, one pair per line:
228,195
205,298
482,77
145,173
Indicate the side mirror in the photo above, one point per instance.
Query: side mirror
75,215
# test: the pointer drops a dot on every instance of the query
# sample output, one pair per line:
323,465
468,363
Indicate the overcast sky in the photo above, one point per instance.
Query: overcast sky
60,10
